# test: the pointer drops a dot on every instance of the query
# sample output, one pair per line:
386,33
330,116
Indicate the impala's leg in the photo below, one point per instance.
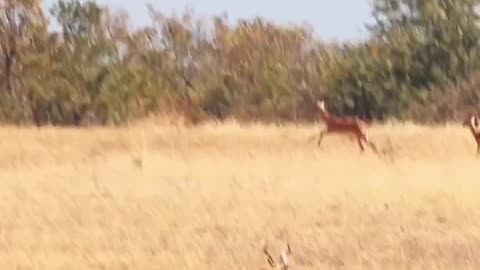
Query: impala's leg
478,148
371,144
359,140
320,137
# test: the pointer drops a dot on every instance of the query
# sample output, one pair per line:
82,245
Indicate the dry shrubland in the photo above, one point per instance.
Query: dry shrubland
166,196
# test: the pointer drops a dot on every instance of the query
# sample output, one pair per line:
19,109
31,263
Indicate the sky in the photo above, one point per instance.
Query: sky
338,20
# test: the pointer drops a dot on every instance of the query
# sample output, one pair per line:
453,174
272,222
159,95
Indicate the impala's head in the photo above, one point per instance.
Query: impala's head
472,121
321,104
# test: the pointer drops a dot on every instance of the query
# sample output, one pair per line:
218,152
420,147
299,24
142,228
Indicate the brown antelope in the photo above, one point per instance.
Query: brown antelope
284,258
473,123
344,125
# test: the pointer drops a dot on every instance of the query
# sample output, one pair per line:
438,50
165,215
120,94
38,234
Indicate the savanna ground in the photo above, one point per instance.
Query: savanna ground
164,196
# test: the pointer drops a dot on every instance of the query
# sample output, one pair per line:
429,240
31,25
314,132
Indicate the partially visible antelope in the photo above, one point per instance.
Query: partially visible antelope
473,123
344,125
284,258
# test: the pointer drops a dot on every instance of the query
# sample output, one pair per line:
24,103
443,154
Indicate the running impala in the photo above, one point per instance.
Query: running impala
345,126
473,123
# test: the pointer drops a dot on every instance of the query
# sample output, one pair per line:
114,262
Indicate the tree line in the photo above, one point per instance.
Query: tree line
81,63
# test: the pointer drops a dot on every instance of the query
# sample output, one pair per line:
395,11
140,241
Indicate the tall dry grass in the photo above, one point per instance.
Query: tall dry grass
166,196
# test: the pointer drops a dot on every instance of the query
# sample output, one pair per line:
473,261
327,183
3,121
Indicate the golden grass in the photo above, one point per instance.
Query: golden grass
164,196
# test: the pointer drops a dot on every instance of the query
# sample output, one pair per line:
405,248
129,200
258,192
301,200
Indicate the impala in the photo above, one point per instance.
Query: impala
473,123
344,125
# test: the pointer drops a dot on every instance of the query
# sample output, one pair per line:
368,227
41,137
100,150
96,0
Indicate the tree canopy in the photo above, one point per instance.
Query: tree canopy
81,63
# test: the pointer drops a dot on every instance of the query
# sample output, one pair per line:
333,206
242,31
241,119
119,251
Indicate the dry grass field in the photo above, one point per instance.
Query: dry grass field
165,196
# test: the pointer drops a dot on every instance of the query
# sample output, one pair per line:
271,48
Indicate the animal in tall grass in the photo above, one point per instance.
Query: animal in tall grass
344,125
473,123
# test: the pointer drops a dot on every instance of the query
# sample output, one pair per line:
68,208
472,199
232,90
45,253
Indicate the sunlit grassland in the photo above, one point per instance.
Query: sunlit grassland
159,195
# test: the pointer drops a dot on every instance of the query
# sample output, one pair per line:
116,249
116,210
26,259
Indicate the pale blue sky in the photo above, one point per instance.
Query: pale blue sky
331,19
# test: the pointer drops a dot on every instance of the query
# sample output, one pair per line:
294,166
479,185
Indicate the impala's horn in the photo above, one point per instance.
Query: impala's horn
270,260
